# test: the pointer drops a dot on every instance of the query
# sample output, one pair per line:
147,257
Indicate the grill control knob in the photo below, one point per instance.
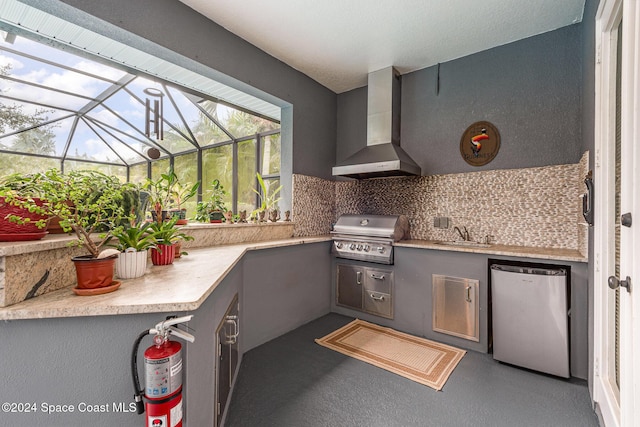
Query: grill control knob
352,246
359,247
381,249
339,245
366,248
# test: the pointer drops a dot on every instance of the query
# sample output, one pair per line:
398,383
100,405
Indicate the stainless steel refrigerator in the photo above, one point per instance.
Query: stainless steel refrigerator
530,318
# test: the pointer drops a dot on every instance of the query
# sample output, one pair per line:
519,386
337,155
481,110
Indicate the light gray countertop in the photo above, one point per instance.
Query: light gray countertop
185,284
181,286
505,250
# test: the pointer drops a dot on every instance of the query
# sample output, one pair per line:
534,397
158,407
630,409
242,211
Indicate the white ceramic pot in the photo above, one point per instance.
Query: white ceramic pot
131,264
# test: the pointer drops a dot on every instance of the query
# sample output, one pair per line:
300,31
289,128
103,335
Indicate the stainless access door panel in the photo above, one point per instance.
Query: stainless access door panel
350,279
455,306
530,318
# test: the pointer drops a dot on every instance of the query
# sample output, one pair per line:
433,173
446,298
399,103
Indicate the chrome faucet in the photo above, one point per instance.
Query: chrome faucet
464,234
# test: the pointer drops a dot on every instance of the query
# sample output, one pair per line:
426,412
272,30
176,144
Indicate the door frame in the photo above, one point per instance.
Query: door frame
616,410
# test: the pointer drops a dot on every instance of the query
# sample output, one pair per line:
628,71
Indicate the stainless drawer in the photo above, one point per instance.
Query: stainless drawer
378,303
378,280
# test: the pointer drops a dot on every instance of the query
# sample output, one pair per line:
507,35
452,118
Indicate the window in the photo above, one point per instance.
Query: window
59,109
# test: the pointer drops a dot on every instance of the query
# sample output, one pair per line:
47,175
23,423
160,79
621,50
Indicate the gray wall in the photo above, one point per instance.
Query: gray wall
70,362
530,90
284,288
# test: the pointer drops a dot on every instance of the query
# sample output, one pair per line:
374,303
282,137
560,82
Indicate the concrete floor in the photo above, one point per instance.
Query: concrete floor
291,381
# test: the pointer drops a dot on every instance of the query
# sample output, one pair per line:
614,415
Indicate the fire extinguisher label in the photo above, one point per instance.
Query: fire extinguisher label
175,415
157,421
163,376
175,370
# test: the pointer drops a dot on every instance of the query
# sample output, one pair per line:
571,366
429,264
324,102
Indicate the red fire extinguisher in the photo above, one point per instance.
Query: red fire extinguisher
163,374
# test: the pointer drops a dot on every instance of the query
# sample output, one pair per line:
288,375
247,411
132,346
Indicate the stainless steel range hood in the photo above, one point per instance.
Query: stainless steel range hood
382,156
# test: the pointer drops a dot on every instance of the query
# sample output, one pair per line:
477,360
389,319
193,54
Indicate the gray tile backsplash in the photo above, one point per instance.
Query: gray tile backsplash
537,207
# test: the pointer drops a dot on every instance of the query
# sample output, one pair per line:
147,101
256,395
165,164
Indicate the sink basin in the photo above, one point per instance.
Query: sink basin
465,244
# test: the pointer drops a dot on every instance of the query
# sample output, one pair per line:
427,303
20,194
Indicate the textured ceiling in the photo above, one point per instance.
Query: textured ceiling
337,42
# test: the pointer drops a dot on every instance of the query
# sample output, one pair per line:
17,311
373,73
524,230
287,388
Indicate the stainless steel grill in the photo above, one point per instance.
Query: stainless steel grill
368,237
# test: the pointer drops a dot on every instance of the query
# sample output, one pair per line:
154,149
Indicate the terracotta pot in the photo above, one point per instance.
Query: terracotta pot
178,246
10,231
131,264
54,226
164,255
94,273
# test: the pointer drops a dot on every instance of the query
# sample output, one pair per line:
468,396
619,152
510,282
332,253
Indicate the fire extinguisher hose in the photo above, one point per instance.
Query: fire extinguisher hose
134,373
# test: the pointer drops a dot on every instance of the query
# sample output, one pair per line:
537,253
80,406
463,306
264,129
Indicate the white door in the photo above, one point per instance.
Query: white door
616,329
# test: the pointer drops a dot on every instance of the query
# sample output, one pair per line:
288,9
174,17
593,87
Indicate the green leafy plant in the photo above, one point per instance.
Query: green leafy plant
86,201
183,192
214,203
166,233
268,200
160,192
168,192
217,194
25,191
137,236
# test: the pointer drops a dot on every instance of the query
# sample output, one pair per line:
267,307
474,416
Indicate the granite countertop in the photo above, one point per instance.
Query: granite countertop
181,286
185,284
518,251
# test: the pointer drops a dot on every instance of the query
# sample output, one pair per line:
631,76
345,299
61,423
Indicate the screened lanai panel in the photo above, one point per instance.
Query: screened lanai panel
247,174
205,131
44,140
27,18
270,152
138,173
217,163
86,145
135,143
43,96
81,79
17,163
123,127
186,167
34,141
25,115
236,122
127,113
118,144
114,170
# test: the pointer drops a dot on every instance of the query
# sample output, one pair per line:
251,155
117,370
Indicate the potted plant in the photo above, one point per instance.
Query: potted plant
22,216
133,243
167,235
160,192
212,210
180,193
268,200
87,202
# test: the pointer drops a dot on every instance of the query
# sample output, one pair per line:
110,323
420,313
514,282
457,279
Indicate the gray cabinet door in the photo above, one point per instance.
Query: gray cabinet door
349,286
227,334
